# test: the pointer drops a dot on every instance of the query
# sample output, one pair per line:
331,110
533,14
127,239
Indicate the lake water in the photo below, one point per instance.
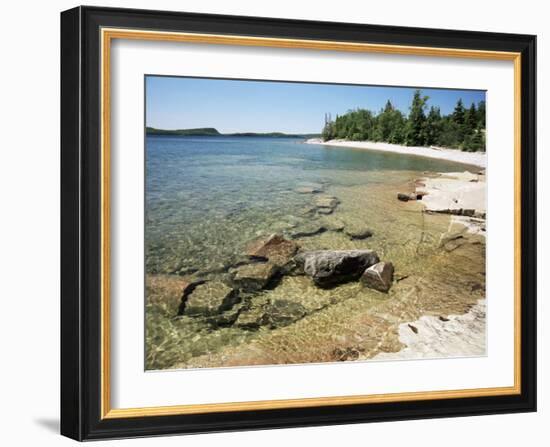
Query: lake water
208,197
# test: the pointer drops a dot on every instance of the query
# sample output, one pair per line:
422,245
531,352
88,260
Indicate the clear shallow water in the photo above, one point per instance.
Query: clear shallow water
207,196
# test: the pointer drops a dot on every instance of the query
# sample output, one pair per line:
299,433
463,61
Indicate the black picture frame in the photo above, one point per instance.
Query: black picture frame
81,223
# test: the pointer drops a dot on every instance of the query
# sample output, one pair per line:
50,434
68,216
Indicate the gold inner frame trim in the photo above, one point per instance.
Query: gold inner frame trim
107,35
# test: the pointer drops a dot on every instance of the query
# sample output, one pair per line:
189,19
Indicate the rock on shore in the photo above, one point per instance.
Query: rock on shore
459,193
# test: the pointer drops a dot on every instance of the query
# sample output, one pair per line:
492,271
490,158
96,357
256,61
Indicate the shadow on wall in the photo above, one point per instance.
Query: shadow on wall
49,424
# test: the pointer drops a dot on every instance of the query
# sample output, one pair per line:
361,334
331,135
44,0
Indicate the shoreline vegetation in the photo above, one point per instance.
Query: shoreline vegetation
462,129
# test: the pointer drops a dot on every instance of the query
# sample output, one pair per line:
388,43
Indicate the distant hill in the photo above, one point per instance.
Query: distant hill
210,131
273,135
202,131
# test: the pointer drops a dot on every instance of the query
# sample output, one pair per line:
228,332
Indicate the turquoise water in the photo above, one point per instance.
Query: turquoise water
206,197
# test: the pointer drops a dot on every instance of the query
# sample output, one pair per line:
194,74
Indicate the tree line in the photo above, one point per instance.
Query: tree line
463,129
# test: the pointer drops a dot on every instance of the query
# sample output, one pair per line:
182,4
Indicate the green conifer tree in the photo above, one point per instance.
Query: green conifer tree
433,126
415,134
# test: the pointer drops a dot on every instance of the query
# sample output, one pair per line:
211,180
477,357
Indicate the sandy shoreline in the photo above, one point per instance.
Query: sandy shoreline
470,158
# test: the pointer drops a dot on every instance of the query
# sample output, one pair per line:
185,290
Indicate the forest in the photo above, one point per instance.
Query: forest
462,129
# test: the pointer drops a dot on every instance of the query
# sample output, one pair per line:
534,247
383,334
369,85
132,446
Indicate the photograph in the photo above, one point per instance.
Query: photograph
296,222
274,222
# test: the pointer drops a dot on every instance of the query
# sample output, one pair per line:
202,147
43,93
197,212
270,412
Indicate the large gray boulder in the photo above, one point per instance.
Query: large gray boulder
209,299
329,268
379,276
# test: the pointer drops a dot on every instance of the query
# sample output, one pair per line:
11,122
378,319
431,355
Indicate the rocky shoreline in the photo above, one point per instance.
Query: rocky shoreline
436,336
233,301
284,285
460,194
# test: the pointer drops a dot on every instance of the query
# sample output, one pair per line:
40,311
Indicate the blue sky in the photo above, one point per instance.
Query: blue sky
264,106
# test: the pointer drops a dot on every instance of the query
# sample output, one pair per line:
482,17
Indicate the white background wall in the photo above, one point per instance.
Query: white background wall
29,219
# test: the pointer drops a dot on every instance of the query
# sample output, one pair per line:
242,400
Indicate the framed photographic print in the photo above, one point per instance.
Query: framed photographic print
277,223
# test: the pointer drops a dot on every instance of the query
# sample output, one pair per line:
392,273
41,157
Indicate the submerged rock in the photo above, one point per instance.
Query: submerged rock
251,318
378,276
358,232
226,318
307,230
307,190
325,211
328,268
326,202
347,354
253,277
272,314
282,313
404,197
332,224
308,210
453,237
209,299
166,290
187,287
275,249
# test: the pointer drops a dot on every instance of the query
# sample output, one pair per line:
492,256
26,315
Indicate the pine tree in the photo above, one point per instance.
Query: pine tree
384,123
459,112
481,114
470,120
459,119
462,129
415,134
433,126
328,129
